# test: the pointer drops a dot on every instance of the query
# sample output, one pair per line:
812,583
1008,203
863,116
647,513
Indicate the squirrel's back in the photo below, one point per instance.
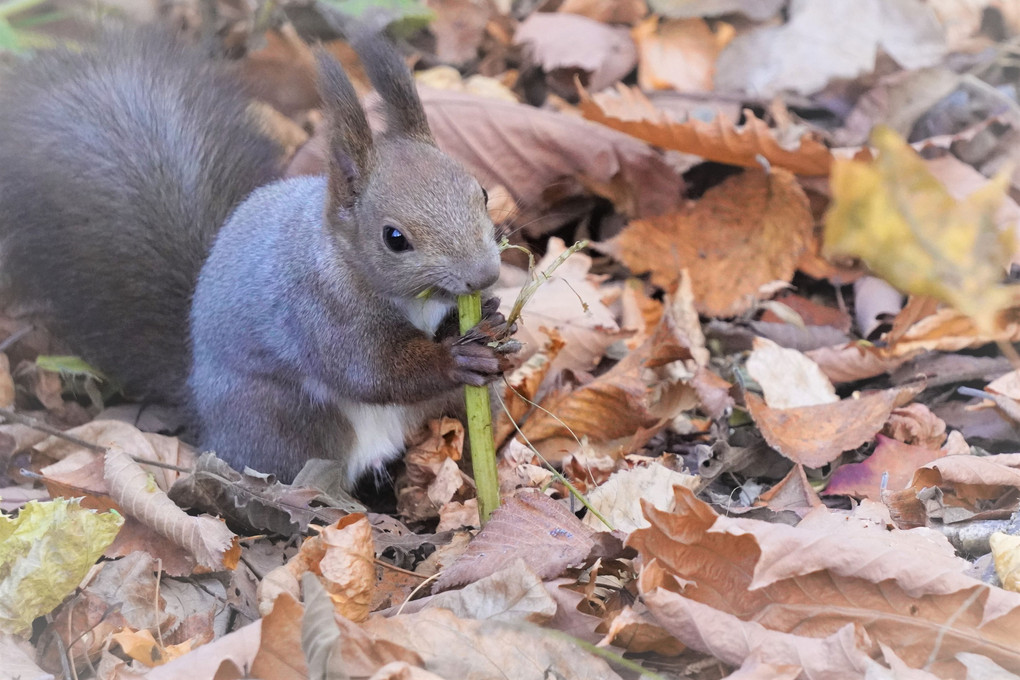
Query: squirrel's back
118,164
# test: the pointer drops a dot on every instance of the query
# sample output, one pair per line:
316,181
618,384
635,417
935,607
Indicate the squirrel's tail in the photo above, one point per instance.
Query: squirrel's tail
118,164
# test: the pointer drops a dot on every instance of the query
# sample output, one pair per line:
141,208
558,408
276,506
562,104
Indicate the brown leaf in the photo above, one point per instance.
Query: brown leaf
816,435
903,589
280,654
794,493
742,235
459,27
451,647
630,111
678,54
530,526
560,40
892,458
916,424
608,11
732,640
551,153
815,47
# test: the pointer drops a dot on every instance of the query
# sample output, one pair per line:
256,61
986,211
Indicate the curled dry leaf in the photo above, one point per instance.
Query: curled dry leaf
816,435
521,387
619,498
1006,555
342,556
793,493
208,540
569,303
741,236
629,110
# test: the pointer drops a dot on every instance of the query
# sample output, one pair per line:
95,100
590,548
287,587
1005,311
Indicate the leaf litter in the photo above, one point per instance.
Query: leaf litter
782,377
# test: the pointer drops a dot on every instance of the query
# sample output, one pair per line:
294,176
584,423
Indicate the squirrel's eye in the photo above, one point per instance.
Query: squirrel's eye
395,239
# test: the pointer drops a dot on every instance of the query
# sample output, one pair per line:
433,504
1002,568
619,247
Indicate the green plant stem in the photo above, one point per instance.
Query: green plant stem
479,421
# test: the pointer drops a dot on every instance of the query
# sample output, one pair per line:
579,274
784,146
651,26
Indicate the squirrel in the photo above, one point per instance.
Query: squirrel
139,198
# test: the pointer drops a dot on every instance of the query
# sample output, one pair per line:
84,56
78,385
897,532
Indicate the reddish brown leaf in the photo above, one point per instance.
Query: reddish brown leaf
628,110
530,526
816,435
745,233
892,457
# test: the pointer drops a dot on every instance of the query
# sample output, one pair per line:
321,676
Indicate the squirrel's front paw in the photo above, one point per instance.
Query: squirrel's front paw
474,362
493,322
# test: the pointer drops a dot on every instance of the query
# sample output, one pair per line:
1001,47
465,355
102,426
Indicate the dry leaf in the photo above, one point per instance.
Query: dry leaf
896,216
787,378
902,589
825,40
630,111
530,526
607,11
558,40
816,435
678,54
892,462
741,236
1006,555
553,154
208,540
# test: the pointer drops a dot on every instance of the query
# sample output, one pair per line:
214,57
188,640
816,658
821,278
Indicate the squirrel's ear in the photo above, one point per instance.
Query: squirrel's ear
390,76
350,137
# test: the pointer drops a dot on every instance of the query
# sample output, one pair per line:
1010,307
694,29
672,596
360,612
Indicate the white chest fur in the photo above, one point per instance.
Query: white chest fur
379,431
427,314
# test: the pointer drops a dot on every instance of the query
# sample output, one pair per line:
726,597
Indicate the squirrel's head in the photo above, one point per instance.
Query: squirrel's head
413,218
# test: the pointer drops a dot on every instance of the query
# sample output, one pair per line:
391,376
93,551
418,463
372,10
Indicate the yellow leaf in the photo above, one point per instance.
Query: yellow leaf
1006,555
141,646
45,552
897,217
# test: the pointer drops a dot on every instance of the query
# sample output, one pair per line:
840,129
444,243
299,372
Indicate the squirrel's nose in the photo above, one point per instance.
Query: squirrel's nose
481,274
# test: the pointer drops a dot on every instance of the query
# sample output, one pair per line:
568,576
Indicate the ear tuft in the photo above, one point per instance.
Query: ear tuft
393,80
350,138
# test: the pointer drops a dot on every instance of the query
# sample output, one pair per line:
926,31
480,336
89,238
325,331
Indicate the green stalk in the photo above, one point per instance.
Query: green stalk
479,421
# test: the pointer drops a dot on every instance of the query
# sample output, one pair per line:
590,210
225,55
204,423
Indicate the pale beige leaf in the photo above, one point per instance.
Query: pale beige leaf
1006,555
787,377
212,545
619,498
558,40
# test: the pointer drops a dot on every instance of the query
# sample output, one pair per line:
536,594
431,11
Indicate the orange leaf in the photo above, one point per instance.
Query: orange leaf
745,233
630,111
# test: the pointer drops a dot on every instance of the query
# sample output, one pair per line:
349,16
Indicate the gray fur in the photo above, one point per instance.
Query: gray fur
117,167
311,337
